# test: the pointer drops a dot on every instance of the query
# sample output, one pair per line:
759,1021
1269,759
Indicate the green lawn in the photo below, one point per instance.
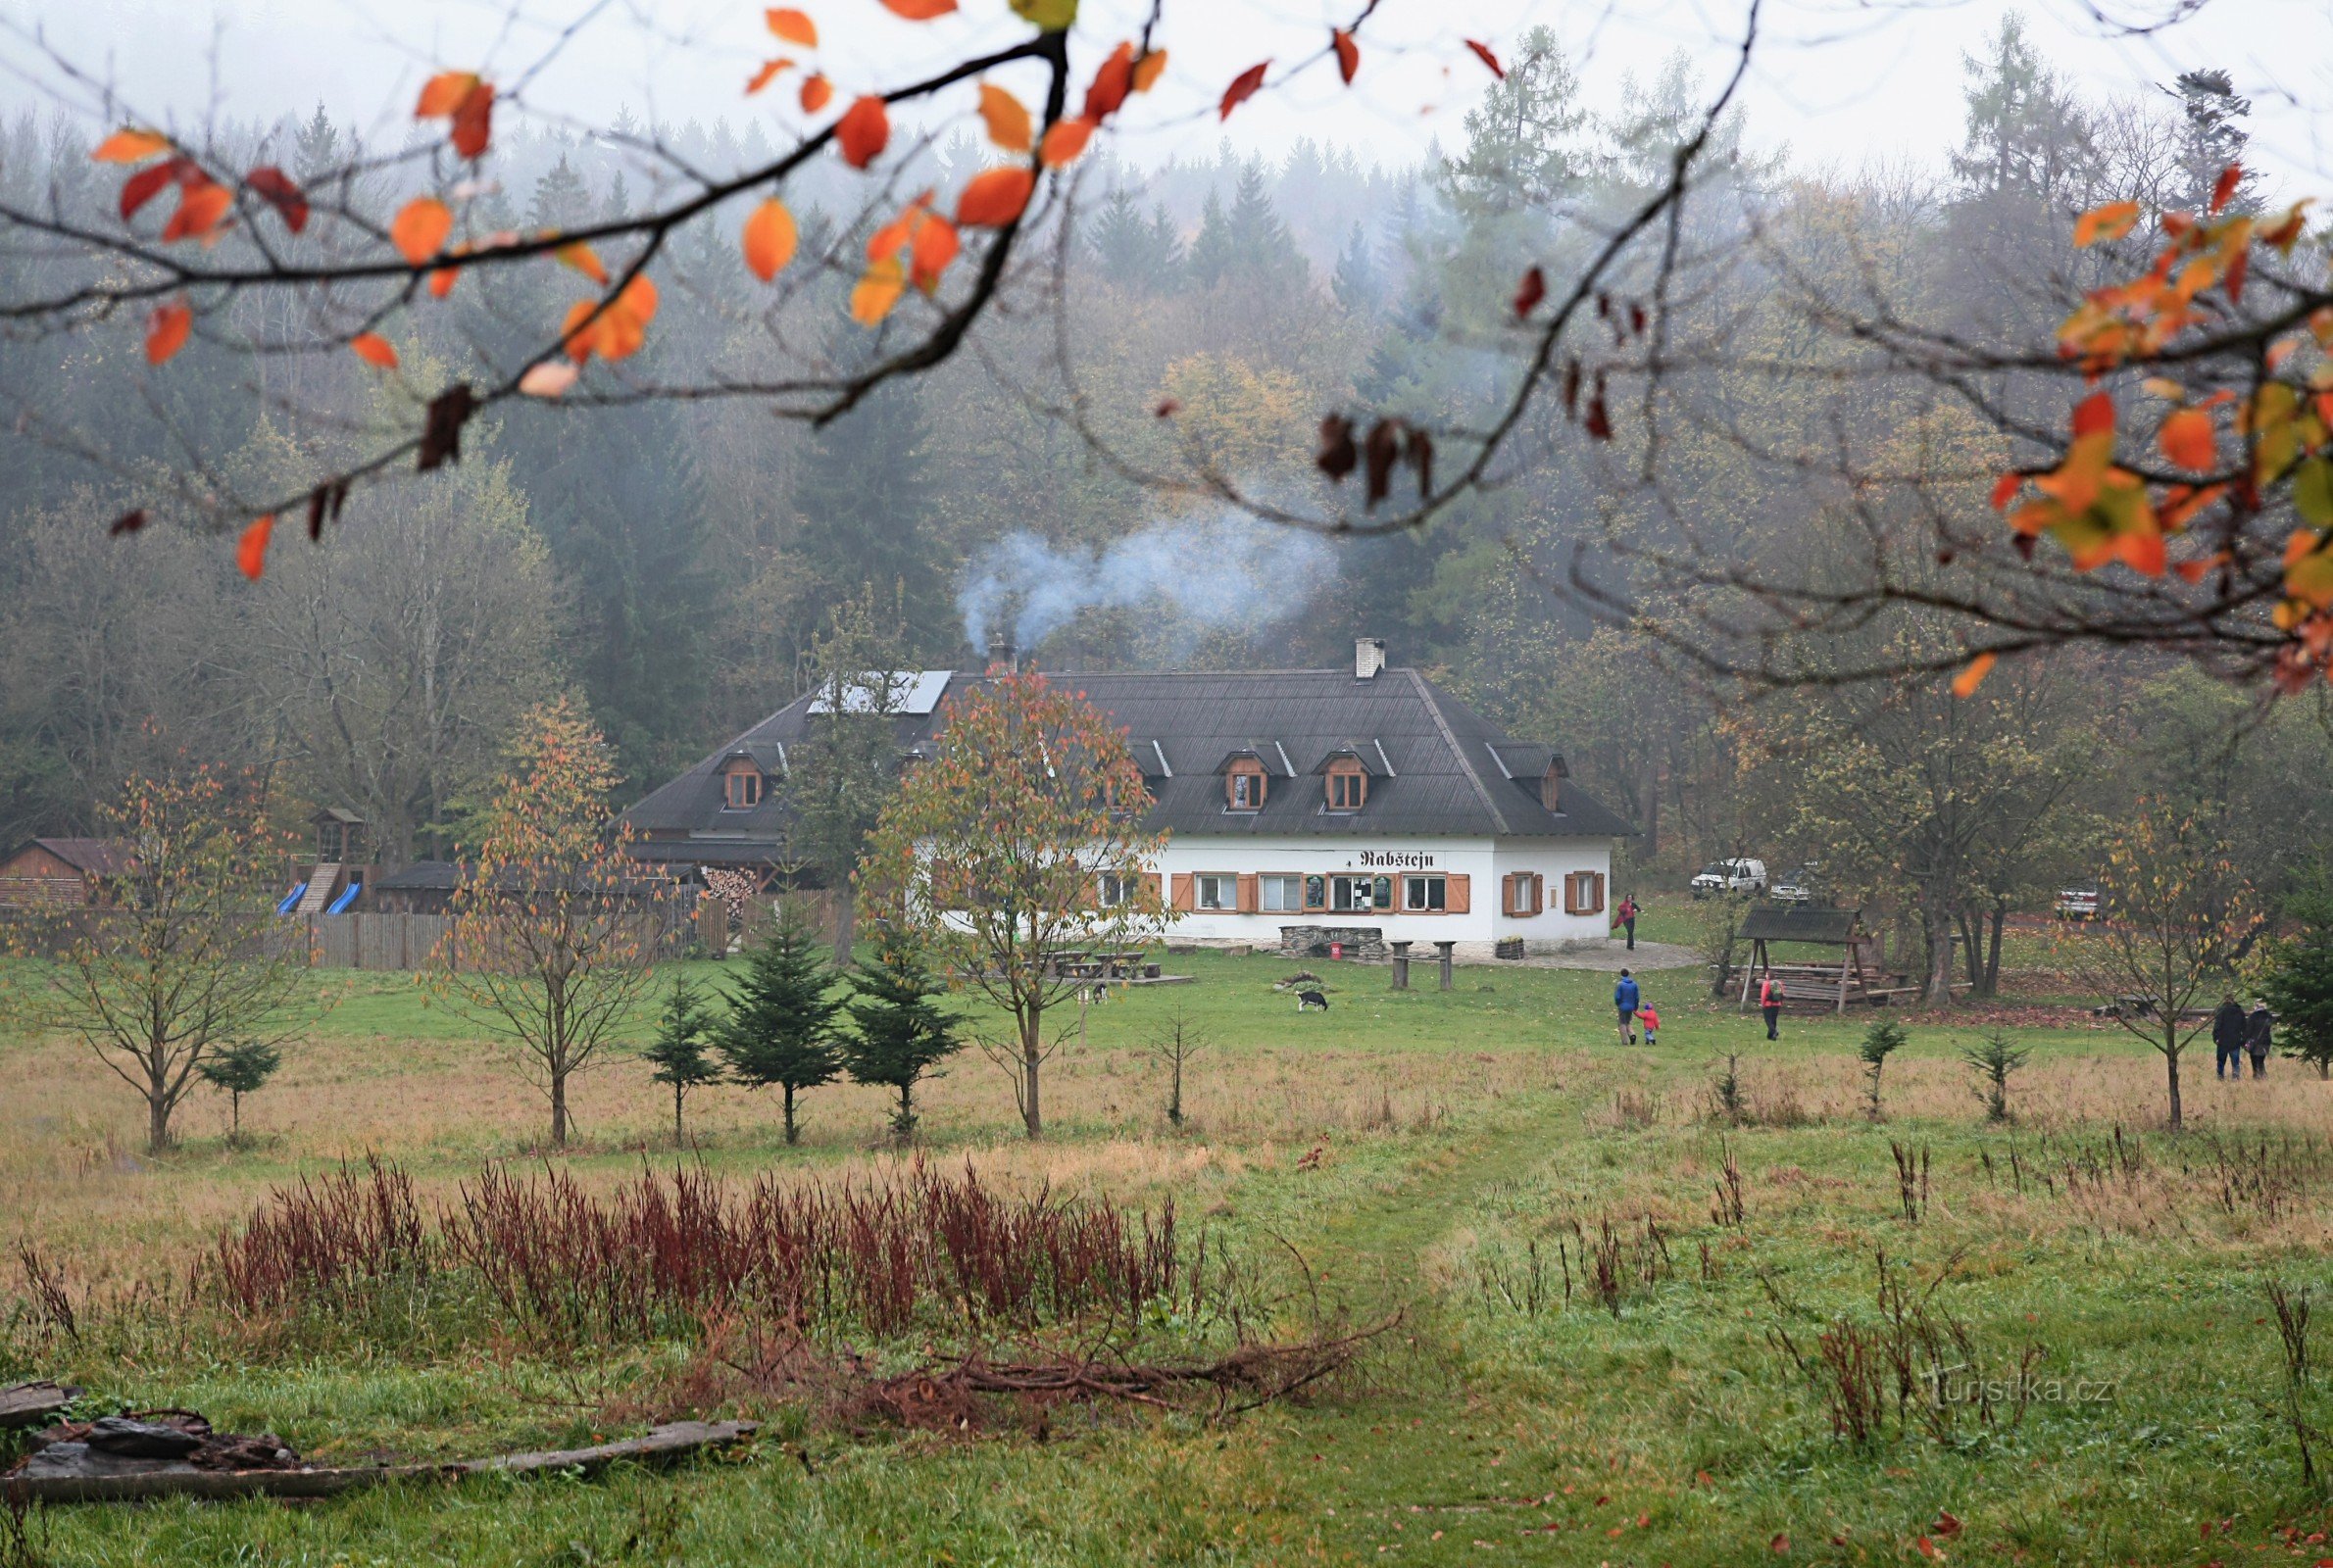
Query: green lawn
1463,1137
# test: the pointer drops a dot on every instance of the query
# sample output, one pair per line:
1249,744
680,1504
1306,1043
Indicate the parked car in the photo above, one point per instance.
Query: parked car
1731,876
2078,903
1798,886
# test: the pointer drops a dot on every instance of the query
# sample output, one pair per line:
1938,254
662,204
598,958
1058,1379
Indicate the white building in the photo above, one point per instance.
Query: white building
1304,807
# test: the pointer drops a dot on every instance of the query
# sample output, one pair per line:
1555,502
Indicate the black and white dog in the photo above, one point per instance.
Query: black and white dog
1311,998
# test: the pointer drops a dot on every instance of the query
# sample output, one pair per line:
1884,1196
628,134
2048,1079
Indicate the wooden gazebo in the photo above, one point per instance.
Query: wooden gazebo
1859,975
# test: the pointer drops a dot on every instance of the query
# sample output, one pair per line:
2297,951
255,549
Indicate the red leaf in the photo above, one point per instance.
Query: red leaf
863,132
251,555
817,92
1532,290
1065,140
127,522
1167,408
165,331
275,187
374,349
1482,51
147,184
441,427
1111,84
918,10
2094,414
2223,190
1348,53
1338,455
2006,488
1242,87
2236,269
1946,1524
993,199
473,121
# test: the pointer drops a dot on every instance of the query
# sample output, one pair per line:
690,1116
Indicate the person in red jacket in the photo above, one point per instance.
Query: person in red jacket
1771,997
1651,1019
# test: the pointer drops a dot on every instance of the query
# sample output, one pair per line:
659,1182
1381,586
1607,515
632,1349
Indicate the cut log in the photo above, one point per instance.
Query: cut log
32,1404
127,1480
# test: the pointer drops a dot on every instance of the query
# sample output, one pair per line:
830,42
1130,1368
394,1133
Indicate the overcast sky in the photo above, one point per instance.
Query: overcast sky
1841,81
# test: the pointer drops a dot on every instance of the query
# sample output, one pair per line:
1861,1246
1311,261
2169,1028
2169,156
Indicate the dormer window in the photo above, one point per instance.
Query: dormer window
1348,785
741,785
1551,784
1244,785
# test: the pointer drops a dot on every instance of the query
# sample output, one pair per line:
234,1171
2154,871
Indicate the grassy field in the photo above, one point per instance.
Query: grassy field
1459,1158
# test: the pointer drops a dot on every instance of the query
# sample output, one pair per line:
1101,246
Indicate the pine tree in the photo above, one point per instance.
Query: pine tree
561,199
678,1051
1357,286
1167,248
2298,983
780,1027
240,1069
619,205
2211,137
866,495
901,1032
1121,241
2027,134
1263,254
1211,251
316,148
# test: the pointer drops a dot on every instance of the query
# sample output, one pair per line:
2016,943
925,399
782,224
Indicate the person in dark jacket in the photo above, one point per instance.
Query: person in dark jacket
1627,915
2258,1030
2228,1029
1624,999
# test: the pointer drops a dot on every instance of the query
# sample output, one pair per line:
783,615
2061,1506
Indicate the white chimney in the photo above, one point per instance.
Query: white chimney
1369,658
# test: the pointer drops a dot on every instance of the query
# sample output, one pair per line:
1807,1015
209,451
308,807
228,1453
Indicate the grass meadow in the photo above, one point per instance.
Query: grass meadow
1631,1330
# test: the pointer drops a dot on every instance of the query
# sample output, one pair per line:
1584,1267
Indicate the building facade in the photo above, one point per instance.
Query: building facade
1358,806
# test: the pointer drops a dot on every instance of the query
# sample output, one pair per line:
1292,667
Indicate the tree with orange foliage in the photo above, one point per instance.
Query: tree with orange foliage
2174,921
553,922
1019,840
181,955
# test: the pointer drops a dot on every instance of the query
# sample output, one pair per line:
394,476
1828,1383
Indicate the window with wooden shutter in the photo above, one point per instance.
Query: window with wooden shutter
1185,894
1595,893
1523,894
1459,899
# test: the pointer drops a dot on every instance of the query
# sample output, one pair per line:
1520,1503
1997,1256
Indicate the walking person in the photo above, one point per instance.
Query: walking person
2258,1030
1651,1020
1627,917
2228,1029
1771,997
1624,1000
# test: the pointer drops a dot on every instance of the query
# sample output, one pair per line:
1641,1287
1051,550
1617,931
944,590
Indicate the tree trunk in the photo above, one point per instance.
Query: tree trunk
907,1111
1992,980
845,928
2171,1064
158,1122
1939,928
1972,949
1032,1113
558,1109
793,1133
679,1139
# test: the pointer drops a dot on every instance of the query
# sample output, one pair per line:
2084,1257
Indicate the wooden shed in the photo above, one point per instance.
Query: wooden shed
1858,974
61,873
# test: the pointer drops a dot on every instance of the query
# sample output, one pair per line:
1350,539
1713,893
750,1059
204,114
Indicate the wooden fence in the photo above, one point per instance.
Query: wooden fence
377,940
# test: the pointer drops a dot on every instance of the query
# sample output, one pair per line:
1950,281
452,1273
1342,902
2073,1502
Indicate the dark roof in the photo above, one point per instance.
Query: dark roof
94,856
1435,765
1798,923
424,875
338,813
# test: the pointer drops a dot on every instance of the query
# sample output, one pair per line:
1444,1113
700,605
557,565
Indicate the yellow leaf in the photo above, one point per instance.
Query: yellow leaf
879,290
1046,15
583,259
2110,222
1007,120
1149,69
770,238
130,146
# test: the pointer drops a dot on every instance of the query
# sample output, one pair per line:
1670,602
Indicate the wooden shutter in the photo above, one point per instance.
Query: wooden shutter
1158,886
1509,895
1185,894
1456,896
1572,899
1250,898
1537,885
1595,893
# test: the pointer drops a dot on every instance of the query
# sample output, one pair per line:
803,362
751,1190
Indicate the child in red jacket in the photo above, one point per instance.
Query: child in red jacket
1651,1021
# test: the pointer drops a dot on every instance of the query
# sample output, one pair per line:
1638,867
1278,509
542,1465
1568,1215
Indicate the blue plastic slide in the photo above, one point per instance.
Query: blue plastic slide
340,905
291,900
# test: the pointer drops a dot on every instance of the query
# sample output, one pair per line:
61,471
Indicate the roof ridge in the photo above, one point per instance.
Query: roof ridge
1457,753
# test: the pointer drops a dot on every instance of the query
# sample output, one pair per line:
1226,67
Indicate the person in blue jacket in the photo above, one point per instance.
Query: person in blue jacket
1624,998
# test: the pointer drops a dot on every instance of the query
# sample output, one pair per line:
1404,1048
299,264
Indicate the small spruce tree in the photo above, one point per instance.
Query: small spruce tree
900,1032
1994,1058
780,1027
240,1069
2298,983
680,1051
1881,1041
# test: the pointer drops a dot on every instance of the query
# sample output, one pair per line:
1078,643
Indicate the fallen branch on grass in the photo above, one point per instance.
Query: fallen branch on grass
116,1481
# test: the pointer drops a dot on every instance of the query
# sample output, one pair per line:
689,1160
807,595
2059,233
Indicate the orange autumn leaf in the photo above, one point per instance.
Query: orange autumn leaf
441,281
2186,439
374,349
251,555
863,132
877,291
1482,51
421,229
794,26
130,146
1064,141
817,93
1149,69
200,208
1242,87
1007,120
770,238
444,93
918,10
2224,190
2004,489
995,198
167,329
613,329
1111,84
764,76
583,259
1965,683
473,121
933,247
1348,54
2107,222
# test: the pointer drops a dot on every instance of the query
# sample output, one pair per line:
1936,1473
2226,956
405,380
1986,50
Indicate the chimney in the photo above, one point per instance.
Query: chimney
1001,652
1369,658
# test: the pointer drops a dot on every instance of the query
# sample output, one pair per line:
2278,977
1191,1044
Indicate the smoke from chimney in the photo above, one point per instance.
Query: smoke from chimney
1228,572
